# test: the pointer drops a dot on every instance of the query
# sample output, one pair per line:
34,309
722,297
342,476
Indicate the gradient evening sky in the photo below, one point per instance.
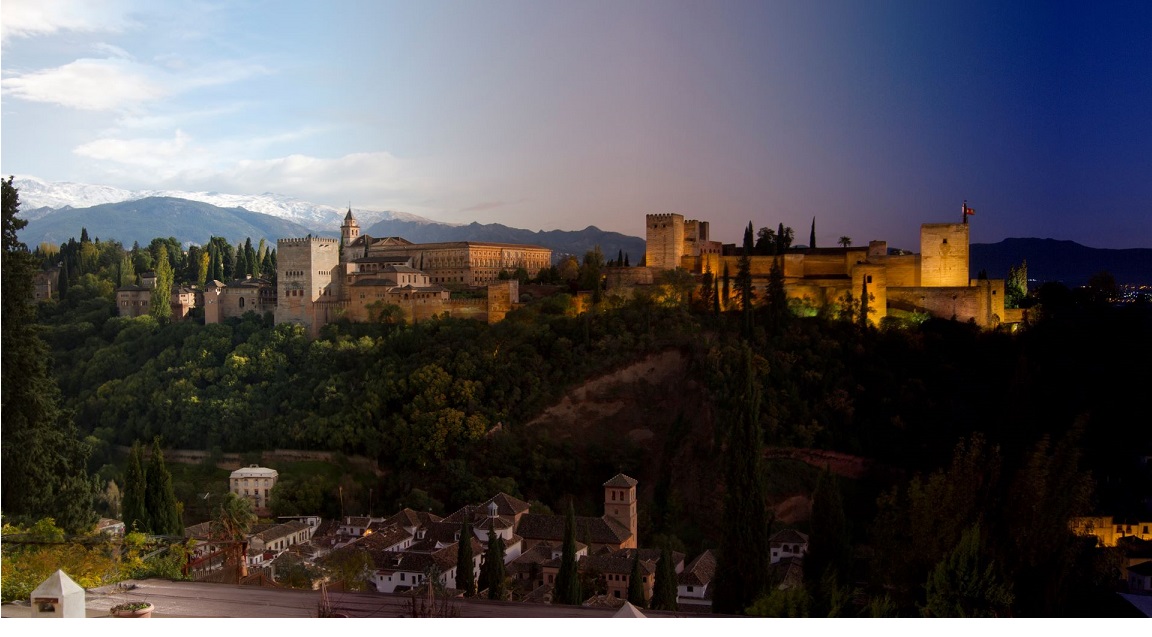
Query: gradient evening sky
873,116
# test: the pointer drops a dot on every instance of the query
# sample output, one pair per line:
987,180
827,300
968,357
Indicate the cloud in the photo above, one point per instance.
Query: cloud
146,152
119,83
179,162
90,84
28,18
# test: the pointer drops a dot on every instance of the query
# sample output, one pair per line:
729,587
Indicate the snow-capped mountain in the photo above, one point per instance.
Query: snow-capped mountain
36,194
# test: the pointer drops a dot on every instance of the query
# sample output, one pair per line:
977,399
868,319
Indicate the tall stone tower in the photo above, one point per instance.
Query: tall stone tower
306,271
665,241
620,504
349,230
944,255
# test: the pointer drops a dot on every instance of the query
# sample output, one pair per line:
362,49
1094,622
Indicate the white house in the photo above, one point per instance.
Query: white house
255,484
788,543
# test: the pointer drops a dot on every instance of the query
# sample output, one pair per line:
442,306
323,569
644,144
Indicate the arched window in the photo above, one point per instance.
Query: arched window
241,301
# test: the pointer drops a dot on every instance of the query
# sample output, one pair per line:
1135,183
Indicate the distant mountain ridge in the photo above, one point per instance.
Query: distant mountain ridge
41,198
561,242
142,220
1065,261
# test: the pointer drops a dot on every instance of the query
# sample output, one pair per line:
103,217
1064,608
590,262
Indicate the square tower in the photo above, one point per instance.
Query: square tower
620,505
306,273
944,255
665,241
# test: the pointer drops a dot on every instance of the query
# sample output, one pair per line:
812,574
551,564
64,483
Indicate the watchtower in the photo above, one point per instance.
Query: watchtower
944,255
665,241
305,272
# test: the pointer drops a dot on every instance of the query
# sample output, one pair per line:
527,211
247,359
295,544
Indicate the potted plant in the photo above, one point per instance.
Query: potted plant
133,609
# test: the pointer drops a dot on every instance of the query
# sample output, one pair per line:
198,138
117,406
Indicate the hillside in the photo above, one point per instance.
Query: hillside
1064,261
145,219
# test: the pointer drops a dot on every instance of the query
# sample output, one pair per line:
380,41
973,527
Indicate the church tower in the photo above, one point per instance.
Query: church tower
349,230
620,505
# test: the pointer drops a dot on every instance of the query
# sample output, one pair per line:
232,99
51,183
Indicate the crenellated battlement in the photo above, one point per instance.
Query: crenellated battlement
664,217
306,241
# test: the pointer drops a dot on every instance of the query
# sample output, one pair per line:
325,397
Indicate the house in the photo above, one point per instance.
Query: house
614,530
1140,578
788,543
1109,531
539,565
110,527
255,484
614,569
693,586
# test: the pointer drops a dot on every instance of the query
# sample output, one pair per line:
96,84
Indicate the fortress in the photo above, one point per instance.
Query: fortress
934,282
360,278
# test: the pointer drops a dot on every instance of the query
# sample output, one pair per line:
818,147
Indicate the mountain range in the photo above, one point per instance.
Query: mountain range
57,212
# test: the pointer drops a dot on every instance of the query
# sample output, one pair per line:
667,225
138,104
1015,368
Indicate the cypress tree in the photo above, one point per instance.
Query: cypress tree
742,572
744,281
250,264
664,589
636,583
626,261
716,297
827,563
465,578
567,590
241,267
492,573
727,289
777,298
812,236
135,514
159,498
864,305
161,302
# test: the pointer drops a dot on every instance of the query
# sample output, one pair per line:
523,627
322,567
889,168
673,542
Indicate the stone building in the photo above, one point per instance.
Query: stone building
136,300
934,282
359,278
237,298
254,483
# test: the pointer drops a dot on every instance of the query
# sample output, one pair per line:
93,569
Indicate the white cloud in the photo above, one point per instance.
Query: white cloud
146,152
28,18
90,84
118,83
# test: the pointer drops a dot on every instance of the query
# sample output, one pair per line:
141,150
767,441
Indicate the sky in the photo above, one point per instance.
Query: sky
871,116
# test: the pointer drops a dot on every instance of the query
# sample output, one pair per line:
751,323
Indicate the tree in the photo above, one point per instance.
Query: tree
777,298
636,583
567,590
135,513
784,237
742,571
1016,287
230,524
967,584
812,235
161,303
765,241
44,458
864,309
492,571
744,281
845,242
827,566
159,497
725,289
664,589
590,273
465,578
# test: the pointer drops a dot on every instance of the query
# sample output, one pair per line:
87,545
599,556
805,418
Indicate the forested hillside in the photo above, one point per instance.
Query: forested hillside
985,443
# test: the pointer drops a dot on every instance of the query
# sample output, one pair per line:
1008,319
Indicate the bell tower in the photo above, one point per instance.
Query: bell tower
349,230
620,505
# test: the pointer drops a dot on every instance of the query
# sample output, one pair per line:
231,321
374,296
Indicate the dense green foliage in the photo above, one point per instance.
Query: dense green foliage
443,407
492,573
664,588
159,498
636,583
44,458
742,569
